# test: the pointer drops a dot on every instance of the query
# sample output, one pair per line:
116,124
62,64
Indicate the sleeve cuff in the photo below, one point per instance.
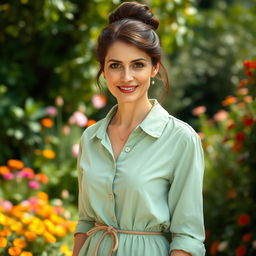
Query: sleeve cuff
83,226
187,244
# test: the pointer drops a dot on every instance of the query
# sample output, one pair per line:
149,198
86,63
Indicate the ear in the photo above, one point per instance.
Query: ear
155,69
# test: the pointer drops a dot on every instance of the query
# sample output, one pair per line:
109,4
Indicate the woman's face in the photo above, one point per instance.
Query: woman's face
127,71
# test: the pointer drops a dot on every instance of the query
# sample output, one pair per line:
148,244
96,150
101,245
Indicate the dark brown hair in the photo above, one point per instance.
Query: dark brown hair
135,24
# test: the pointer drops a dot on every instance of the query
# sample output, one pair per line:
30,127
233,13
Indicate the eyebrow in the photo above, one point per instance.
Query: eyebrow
113,60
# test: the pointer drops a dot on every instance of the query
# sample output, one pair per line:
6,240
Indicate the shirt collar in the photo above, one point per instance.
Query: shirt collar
153,124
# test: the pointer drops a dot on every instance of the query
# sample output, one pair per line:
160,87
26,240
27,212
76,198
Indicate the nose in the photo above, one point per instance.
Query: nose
127,74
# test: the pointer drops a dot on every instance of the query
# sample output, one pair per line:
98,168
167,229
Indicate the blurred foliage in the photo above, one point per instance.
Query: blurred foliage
229,140
206,67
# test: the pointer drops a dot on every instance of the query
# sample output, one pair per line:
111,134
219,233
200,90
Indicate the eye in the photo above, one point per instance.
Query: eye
139,65
114,65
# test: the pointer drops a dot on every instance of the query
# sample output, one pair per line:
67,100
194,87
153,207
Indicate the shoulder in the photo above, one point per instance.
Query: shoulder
90,131
180,129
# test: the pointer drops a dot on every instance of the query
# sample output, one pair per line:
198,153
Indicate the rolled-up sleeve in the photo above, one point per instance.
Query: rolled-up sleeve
84,223
186,200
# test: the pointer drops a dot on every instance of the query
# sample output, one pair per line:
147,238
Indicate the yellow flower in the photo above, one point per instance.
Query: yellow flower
64,249
2,219
14,251
48,153
16,164
49,237
60,231
50,226
19,242
56,219
26,253
43,196
3,242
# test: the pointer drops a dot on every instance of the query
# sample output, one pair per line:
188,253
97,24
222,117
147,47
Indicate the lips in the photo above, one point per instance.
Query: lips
127,89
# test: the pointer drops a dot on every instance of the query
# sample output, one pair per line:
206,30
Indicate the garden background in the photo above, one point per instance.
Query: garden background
48,96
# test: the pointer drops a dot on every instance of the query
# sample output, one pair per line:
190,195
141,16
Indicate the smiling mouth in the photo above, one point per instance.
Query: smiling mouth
127,89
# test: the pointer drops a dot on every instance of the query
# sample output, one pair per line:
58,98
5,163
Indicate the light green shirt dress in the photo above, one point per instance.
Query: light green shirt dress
155,185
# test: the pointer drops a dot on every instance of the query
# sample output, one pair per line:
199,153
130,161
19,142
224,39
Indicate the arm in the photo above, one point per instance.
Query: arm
185,199
84,223
78,243
179,253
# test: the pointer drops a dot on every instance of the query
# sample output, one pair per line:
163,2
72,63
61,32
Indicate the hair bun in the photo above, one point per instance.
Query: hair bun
136,11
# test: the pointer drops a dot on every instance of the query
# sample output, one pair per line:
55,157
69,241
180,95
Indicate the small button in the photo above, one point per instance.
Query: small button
127,149
113,219
110,196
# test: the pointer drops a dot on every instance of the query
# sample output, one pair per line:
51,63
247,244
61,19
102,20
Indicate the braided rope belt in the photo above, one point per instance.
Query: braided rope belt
109,230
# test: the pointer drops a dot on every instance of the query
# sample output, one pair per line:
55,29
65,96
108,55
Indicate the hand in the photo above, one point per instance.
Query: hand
179,253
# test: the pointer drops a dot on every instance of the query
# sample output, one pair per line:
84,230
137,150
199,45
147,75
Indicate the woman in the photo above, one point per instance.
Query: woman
140,170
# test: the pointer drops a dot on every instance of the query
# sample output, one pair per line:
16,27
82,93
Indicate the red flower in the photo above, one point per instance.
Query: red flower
243,219
247,237
248,66
243,83
231,194
214,247
248,121
240,137
241,250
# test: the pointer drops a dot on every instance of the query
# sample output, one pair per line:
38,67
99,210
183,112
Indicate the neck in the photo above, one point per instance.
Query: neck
130,114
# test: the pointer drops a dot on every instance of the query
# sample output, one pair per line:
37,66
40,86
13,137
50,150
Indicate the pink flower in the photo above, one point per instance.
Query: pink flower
7,205
51,111
221,115
78,118
8,176
75,150
33,184
199,110
99,101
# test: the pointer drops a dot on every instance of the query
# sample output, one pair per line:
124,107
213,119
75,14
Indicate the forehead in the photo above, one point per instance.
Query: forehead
125,52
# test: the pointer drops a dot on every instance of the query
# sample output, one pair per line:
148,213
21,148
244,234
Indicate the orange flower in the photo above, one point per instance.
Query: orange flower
244,219
30,235
42,178
47,122
3,242
237,147
49,237
5,232
16,164
47,153
26,253
229,100
19,242
14,251
247,237
243,83
90,122
43,196
4,170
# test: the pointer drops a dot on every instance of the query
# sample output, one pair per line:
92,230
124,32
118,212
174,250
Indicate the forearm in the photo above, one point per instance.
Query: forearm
79,240
179,253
